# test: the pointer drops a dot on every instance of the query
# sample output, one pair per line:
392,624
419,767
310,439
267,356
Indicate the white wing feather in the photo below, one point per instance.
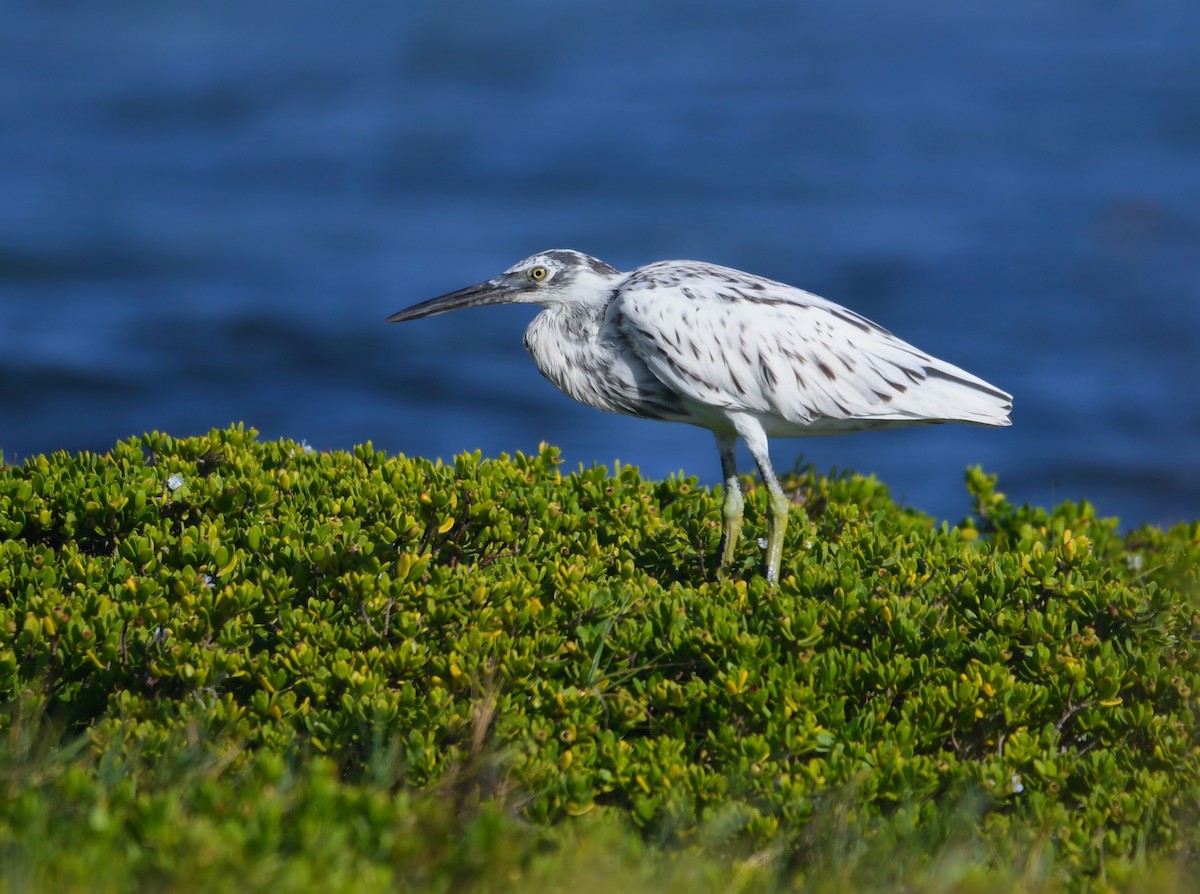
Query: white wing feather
731,342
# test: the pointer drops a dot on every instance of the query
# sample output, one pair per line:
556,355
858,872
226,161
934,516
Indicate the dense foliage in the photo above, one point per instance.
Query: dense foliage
226,647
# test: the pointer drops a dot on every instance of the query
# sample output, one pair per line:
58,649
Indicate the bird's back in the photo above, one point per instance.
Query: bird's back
730,342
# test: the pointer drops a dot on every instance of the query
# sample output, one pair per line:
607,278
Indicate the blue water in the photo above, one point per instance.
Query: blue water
207,210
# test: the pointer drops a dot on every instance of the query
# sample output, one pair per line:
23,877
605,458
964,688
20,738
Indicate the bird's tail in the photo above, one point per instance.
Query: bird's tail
955,395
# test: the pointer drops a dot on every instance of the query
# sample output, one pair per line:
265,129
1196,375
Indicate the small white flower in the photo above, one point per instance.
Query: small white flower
1017,785
1134,562
208,581
175,481
762,542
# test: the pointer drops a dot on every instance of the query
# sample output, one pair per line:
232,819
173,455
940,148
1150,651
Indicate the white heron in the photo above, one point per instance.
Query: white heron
740,355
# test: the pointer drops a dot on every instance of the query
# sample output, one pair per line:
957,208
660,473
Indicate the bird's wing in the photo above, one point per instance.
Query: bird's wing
732,341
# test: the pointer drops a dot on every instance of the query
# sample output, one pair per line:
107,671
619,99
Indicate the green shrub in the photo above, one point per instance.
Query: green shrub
497,632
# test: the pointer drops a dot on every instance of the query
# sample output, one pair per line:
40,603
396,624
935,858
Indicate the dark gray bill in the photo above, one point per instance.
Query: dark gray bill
490,292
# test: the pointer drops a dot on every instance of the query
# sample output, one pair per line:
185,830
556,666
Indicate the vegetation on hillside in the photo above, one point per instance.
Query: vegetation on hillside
224,660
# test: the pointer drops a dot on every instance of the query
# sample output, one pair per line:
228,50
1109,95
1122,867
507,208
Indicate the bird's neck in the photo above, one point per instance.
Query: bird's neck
566,343
578,348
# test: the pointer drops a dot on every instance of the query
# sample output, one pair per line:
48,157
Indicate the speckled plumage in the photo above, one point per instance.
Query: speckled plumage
743,356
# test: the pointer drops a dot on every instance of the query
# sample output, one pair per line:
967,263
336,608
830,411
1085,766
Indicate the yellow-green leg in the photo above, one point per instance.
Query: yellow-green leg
732,509
778,504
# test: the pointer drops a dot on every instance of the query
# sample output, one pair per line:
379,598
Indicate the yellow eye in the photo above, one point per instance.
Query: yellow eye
537,274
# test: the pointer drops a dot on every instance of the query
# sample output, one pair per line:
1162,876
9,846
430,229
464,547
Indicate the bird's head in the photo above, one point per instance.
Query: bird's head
549,278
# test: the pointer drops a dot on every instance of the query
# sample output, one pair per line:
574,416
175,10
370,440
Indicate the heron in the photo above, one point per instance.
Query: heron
743,356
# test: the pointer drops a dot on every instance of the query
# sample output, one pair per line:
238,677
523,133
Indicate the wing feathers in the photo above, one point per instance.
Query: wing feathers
729,341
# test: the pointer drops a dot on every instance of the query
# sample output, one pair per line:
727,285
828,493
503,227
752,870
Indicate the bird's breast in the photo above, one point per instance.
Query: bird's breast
592,365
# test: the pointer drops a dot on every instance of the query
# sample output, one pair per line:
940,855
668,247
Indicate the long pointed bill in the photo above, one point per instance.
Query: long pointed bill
490,292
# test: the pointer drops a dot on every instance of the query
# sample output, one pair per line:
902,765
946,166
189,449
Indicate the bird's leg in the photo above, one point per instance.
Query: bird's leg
777,519
731,510
778,504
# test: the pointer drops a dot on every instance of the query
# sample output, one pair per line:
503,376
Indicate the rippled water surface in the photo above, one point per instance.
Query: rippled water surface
208,210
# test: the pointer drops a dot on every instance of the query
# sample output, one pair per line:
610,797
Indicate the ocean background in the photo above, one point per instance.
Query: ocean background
207,211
